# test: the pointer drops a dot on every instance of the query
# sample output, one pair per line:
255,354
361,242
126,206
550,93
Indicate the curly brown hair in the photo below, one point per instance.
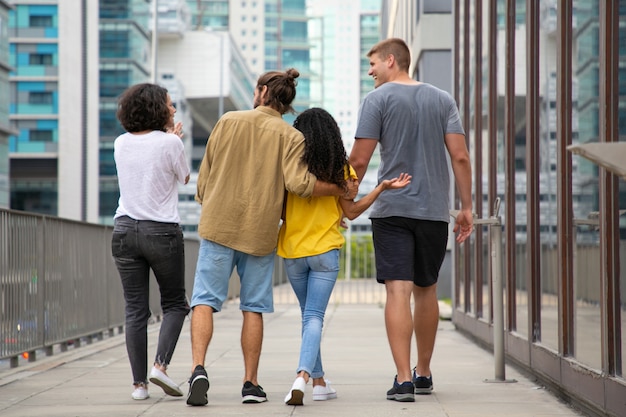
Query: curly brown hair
281,89
324,152
143,107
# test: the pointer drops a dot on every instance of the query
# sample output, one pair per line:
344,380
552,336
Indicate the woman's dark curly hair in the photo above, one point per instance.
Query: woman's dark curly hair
324,152
143,107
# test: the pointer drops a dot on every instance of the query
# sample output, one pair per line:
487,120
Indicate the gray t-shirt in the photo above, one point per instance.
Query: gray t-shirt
410,123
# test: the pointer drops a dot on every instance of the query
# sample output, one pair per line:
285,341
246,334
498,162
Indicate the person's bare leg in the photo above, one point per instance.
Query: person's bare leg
201,333
306,376
251,342
317,381
425,320
399,325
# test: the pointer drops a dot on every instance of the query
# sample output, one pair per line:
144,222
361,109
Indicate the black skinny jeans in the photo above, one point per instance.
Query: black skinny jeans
137,247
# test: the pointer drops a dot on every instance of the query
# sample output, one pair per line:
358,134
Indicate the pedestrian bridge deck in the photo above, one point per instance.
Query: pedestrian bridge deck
94,380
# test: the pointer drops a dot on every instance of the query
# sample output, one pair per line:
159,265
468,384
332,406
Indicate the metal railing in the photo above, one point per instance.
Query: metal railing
59,285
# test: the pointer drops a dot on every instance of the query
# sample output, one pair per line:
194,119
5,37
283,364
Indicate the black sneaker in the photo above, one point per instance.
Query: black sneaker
423,384
401,392
198,387
253,393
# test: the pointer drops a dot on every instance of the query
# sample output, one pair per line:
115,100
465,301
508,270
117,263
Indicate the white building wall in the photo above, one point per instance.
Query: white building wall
195,60
341,53
75,91
247,27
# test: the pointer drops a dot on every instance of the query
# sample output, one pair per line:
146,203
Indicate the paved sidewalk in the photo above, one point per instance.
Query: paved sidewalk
95,380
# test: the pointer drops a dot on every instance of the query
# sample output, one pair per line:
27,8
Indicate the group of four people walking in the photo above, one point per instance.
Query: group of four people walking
266,188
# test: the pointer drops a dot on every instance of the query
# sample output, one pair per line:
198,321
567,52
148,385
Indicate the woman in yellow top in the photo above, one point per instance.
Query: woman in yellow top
309,241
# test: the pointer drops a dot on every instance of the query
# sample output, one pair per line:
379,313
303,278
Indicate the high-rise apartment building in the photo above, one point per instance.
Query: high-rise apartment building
370,33
54,97
287,45
270,35
340,34
212,13
125,59
336,39
5,128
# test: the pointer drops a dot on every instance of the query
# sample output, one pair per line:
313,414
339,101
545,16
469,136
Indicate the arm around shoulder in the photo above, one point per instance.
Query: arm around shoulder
323,188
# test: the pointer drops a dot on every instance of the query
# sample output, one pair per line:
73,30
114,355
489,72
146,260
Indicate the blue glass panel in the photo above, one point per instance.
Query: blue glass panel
22,59
49,48
31,86
47,124
42,10
31,147
51,33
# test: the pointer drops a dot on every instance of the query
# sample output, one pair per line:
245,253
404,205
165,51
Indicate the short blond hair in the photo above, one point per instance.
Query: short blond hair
396,47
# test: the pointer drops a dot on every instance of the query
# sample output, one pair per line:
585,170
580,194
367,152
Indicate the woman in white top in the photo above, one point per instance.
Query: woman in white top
150,161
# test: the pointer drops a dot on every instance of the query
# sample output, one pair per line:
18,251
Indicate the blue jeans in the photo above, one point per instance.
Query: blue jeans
313,279
138,246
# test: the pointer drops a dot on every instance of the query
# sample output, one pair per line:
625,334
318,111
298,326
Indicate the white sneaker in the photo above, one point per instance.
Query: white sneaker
159,378
323,393
296,394
140,393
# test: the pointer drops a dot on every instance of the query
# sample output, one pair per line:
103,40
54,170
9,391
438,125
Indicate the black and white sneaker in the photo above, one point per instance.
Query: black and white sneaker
198,387
423,384
253,393
401,392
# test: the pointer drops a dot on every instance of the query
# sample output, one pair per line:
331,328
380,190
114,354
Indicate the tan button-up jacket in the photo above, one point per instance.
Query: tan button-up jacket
251,158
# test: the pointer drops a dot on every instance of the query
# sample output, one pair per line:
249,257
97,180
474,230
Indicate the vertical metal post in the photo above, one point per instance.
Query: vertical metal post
498,302
155,41
497,295
220,109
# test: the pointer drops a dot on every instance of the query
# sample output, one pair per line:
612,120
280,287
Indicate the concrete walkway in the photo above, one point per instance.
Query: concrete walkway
95,380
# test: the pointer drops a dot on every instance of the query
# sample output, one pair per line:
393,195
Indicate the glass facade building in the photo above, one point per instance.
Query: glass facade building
34,106
125,45
209,13
369,25
52,96
287,45
5,128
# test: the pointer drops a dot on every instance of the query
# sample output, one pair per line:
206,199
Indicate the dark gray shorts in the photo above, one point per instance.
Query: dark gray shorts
409,249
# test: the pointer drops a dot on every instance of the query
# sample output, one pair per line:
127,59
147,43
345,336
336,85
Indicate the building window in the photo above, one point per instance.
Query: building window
41,135
40,21
40,97
40,59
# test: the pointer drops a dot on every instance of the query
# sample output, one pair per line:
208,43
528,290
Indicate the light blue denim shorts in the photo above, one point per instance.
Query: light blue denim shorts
214,268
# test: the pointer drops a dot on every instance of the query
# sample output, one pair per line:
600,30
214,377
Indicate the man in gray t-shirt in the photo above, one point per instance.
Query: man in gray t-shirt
415,125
